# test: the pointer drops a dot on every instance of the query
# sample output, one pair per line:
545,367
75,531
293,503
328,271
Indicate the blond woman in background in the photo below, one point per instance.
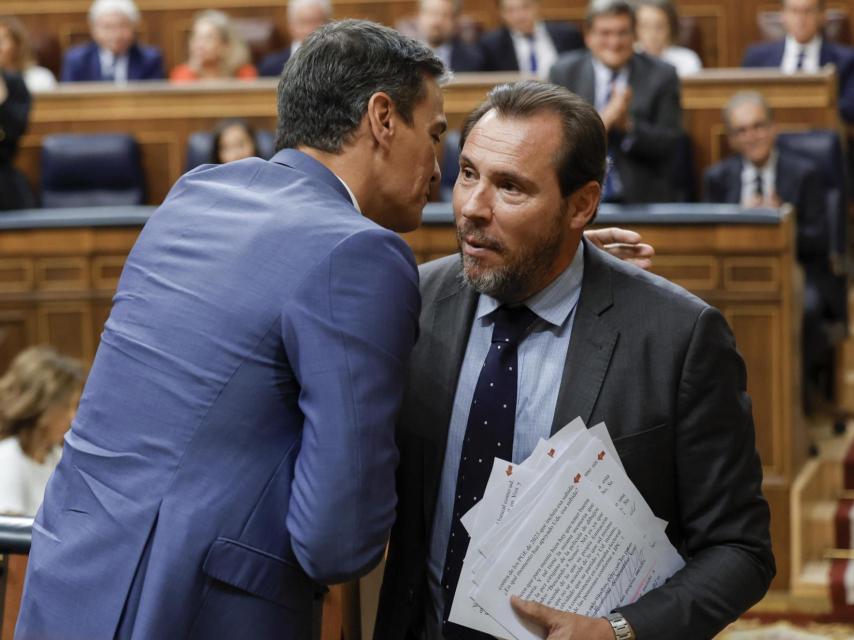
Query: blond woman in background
38,398
216,51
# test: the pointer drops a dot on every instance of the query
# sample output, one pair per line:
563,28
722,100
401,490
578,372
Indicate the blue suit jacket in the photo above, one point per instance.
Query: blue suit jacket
234,446
83,64
770,54
272,63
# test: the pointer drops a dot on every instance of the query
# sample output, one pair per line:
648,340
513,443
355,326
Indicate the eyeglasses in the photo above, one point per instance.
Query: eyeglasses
756,127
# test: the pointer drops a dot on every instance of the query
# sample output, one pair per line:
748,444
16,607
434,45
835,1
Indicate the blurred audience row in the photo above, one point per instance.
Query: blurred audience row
524,42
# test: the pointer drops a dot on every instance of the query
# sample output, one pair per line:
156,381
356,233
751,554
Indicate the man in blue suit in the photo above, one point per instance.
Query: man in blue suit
234,447
114,55
804,49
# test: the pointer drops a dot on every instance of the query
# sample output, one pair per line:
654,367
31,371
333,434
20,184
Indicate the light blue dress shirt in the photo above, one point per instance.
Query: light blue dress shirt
541,359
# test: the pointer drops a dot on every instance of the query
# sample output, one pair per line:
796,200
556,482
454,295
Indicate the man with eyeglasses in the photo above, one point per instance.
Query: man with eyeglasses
761,174
804,49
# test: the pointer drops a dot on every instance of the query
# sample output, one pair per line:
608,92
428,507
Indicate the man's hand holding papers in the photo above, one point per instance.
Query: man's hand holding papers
567,529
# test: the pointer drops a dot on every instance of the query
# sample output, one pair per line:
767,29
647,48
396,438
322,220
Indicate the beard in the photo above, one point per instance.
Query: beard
525,269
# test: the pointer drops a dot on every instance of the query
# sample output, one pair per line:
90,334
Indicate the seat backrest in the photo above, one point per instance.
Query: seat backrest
200,147
823,148
682,170
82,170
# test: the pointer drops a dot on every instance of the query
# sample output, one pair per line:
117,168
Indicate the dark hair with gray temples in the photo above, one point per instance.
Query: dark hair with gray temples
598,8
582,156
326,85
745,97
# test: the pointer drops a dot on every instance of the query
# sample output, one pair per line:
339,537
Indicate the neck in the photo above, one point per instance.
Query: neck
350,165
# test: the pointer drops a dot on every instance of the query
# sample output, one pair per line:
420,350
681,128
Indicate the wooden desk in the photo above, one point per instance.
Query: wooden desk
162,116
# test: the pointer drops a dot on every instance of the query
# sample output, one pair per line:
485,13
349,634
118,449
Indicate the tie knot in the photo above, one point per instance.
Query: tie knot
511,322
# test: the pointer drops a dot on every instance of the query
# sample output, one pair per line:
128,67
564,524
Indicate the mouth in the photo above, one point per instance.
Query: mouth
476,245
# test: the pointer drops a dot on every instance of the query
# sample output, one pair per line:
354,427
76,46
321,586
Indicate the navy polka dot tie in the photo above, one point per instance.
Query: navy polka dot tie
489,434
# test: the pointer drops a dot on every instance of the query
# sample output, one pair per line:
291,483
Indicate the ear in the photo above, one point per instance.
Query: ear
380,121
582,204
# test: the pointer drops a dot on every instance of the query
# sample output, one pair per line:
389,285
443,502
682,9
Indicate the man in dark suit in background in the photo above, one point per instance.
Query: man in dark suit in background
761,174
438,24
637,97
114,55
524,42
304,16
582,335
805,50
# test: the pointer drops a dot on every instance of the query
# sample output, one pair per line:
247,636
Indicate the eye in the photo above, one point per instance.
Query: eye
467,173
509,186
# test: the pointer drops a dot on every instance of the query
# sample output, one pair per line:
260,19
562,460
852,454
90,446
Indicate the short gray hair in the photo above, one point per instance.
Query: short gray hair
325,86
745,97
125,7
293,5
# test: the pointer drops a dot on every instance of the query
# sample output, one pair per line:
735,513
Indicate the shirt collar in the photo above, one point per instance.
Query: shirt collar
753,169
811,47
555,302
604,73
349,191
538,32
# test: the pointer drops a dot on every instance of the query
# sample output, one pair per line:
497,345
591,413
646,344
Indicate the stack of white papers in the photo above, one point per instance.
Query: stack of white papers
566,528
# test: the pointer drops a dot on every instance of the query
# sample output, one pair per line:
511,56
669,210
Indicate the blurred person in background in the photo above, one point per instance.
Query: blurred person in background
38,398
216,51
304,16
233,139
15,102
657,31
524,42
804,49
437,23
114,55
16,55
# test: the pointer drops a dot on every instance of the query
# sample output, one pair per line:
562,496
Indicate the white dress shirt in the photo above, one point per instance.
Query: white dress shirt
811,49
769,179
603,75
544,49
119,65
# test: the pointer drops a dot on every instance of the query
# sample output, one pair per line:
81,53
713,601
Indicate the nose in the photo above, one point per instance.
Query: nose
475,204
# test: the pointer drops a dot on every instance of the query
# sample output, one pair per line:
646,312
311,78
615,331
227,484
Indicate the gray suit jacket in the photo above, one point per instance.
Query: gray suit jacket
645,156
661,368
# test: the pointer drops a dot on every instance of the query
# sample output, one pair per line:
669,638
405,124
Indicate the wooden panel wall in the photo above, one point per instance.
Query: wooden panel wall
726,26
162,116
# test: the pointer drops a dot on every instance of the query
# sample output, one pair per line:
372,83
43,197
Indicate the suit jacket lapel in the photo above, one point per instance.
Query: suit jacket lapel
732,180
591,344
587,80
450,325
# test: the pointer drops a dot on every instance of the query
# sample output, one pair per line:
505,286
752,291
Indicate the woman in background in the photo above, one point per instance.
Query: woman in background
216,51
38,399
16,55
657,30
233,139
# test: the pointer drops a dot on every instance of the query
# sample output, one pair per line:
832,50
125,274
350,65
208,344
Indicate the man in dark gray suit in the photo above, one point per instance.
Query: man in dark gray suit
637,97
536,327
